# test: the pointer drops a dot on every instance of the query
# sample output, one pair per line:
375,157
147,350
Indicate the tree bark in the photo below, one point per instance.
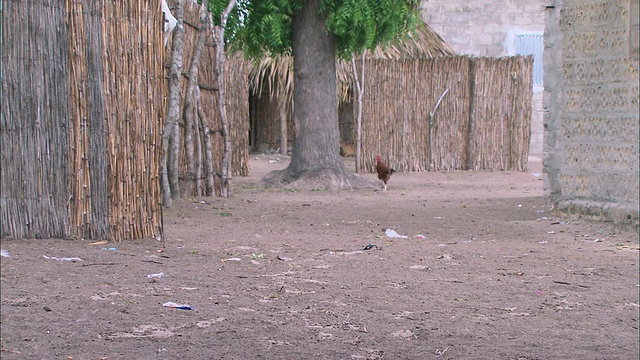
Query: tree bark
222,103
192,181
170,187
315,159
359,81
282,110
209,172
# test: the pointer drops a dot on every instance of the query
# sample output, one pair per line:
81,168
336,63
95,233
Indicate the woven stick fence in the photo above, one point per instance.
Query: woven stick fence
117,104
134,78
34,129
482,121
81,128
237,109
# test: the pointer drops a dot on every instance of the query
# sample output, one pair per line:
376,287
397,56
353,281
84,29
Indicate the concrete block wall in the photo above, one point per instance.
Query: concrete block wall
591,101
489,28
481,27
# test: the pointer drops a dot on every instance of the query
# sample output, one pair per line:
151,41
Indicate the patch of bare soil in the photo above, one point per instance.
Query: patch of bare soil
485,272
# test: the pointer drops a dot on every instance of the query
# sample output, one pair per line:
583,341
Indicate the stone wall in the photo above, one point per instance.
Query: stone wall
484,28
591,98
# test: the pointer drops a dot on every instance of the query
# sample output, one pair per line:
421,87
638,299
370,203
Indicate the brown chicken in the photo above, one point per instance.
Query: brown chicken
383,170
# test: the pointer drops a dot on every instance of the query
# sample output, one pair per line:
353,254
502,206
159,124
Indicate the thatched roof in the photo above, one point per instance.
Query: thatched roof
276,74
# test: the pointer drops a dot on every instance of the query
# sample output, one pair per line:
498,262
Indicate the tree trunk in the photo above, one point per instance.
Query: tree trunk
209,172
222,102
174,161
192,180
315,158
170,185
282,110
359,81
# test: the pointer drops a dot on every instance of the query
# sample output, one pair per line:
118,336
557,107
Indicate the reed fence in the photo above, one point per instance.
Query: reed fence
481,123
34,128
81,128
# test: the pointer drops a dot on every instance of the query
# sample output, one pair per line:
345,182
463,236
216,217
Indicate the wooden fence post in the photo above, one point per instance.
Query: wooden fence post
472,108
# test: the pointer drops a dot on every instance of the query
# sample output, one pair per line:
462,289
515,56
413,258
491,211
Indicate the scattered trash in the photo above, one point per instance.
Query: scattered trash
284,258
102,242
156,276
551,232
542,242
393,234
519,205
110,249
232,259
420,237
536,174
177,306
5,253
62,259
371,246
257,256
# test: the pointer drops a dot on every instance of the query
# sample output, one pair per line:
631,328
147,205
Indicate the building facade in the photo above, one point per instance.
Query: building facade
591,97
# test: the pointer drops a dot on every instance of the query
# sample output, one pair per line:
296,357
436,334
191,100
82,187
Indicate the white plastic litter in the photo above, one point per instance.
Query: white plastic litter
156,276
5,253
62,259
393,234
171,304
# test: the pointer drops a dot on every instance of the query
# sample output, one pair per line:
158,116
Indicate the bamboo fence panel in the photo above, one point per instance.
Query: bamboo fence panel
482,123
522,111
502,113
89,200
81,127
397,102
135,105
34,125
450,122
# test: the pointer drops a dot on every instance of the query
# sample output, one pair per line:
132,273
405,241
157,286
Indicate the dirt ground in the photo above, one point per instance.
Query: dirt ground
486,272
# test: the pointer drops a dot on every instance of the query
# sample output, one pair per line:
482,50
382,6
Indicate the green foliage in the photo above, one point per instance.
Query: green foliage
365,24
267,27
263,27
236,19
